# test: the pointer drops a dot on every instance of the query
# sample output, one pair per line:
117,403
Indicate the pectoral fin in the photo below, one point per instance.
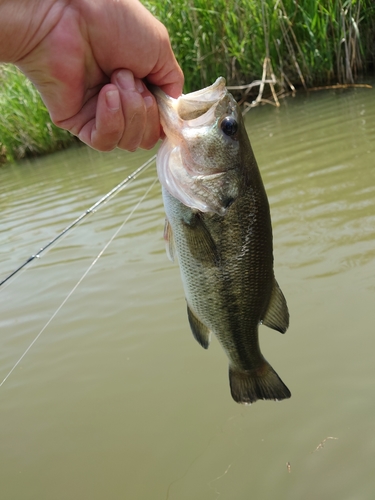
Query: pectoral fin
200,331
200,241
169,240
277,314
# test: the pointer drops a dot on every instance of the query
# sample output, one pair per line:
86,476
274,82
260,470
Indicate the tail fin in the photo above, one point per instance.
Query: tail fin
262,383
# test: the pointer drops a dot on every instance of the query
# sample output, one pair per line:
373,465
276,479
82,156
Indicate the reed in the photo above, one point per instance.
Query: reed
309,43
25,126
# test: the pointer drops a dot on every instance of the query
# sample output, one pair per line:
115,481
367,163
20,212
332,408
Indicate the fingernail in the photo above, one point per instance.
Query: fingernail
139,85
125,79
148,101
112,98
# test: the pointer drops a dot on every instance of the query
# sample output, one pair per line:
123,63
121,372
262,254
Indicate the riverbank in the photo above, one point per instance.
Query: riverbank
307,44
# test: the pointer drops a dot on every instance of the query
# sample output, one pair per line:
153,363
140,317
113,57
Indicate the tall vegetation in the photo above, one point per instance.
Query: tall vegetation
309,42
25,126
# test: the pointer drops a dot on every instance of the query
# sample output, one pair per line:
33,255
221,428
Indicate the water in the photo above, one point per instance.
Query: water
116,400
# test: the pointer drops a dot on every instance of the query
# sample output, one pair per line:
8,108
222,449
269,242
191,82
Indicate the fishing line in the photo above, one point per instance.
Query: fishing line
80,280
90,210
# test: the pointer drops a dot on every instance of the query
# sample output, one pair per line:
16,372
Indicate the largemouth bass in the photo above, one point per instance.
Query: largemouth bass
218,225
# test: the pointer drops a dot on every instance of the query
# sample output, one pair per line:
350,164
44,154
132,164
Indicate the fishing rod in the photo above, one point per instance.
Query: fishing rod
129,215
89,211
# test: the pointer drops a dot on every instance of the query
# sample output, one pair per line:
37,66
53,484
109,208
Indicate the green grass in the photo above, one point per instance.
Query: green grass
25,126
325,41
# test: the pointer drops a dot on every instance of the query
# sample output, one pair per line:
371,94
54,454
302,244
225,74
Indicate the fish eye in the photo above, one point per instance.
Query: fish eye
229,126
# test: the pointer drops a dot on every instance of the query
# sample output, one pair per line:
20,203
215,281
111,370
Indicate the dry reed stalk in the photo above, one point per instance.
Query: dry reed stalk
267,72
291,50
341,86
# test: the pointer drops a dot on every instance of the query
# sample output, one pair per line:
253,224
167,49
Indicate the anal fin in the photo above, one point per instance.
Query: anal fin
277,314
201,333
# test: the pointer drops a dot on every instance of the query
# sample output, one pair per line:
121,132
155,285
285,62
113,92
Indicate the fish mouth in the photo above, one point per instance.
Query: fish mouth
186,164
189,106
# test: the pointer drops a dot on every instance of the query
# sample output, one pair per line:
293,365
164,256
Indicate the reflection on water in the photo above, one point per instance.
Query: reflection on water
115,399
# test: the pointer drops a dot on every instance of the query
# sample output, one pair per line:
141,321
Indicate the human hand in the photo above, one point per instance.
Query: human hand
88,59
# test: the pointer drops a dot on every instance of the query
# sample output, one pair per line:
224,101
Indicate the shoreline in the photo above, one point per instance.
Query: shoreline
294,47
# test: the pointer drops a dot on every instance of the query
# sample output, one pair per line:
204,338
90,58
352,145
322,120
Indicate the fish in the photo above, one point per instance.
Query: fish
218,225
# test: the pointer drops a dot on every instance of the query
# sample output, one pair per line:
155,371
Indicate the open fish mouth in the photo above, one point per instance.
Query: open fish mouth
189,106
194,160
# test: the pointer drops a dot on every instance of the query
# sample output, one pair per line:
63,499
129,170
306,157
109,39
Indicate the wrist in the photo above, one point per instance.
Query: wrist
24,23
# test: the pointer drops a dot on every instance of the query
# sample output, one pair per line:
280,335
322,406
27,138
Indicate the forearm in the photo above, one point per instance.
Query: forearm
24,23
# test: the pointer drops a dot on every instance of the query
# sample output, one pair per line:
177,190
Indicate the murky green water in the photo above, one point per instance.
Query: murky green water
115,400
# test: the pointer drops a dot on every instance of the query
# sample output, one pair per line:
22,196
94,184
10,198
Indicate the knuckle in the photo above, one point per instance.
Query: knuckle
103,142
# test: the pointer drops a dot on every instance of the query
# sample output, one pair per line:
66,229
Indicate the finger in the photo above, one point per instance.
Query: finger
133,107
152,131
167,73
171,83
123,114
100,122
104,129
